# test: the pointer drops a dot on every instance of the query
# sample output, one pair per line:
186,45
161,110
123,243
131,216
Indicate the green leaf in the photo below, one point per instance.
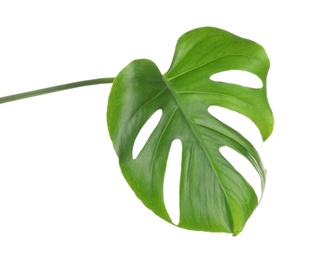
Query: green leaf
213,195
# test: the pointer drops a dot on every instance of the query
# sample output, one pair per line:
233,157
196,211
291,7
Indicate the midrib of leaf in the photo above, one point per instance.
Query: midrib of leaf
198,139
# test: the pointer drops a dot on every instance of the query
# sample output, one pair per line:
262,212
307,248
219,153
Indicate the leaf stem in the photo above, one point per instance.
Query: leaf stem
55,89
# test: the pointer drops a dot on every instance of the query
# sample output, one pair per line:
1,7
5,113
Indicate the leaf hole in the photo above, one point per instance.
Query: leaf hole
145,133
239,77
238,122
244,167
172,181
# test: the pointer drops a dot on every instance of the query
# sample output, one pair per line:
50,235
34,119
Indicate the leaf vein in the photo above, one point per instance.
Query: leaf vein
159,140
196,44
208,62
143,105
222,94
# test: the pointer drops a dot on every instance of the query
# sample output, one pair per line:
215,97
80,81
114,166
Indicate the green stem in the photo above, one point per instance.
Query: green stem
55,89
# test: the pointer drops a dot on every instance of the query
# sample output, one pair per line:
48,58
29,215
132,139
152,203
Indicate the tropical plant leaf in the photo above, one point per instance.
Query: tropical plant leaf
213,195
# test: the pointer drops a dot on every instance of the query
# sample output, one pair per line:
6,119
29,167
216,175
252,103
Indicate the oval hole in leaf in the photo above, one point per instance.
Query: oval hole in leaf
239,122
244,167
239,77
145,133
172,181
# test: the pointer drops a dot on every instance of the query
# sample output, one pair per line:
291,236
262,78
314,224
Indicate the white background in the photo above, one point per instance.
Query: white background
62,195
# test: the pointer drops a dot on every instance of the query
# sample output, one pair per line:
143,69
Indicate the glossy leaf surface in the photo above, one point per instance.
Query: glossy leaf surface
213,195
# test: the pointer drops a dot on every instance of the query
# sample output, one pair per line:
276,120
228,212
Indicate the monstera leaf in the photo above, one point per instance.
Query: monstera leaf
213,195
